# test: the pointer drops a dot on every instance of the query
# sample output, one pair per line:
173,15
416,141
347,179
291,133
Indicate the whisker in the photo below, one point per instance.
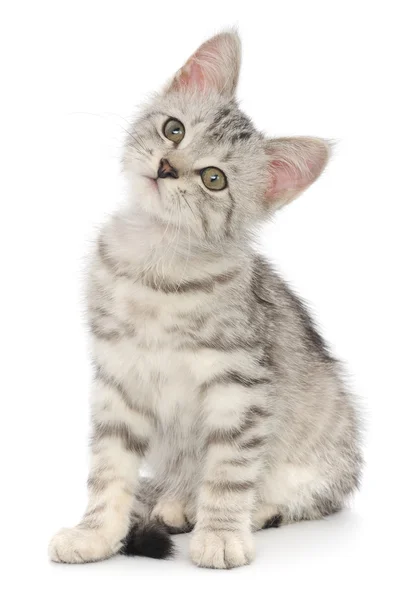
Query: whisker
138,141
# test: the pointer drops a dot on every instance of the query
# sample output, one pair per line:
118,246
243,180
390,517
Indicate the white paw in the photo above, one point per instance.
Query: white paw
80,545
171,513
221,549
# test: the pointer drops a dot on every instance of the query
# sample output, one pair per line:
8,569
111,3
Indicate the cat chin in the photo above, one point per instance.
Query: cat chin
144,192
144,208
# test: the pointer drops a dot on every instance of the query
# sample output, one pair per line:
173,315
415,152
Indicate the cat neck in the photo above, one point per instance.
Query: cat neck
139,243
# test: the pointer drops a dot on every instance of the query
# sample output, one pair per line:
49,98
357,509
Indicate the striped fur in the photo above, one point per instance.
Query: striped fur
208,369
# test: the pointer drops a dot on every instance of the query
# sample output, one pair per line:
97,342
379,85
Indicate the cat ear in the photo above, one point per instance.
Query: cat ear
294,164
214,66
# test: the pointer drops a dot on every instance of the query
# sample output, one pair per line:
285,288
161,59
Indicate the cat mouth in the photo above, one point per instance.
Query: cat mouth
153,182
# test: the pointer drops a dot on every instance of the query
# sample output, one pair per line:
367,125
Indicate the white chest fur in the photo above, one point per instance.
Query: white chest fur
140,343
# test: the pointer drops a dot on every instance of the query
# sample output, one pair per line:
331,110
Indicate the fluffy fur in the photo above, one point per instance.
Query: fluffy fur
207,367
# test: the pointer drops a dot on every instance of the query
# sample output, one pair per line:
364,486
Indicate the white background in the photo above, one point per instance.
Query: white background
70,73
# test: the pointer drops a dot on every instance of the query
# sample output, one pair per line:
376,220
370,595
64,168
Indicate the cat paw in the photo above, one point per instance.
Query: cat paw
221,549
80,545
171,513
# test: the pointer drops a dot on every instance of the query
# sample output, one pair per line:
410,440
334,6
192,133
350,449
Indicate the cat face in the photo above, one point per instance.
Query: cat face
215,165
195,161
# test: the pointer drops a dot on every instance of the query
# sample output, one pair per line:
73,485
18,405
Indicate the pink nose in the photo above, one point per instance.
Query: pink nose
167,170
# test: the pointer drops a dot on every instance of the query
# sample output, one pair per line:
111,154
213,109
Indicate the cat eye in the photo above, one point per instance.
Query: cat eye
213,178
174,130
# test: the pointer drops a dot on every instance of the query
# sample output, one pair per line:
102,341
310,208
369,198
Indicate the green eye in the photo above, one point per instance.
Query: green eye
213,178
174,130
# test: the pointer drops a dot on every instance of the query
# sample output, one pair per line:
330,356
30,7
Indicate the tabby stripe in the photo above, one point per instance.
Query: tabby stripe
221,512
115,330
235,377
98,484
227,228
215,528
260,411
220,342
242,135
250,419
201,285
102,312
131,442
204,220
244,380
93,519
230,486
102,334
96,510
223,520
254,442
237,462
112,383
228,436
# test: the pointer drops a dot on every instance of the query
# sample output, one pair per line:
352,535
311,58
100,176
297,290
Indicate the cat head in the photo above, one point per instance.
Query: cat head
196,161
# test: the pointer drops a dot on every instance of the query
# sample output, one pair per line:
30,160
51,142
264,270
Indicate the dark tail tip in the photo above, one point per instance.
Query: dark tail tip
150,540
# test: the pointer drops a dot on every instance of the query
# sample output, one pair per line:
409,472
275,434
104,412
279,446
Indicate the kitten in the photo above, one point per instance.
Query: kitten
207,366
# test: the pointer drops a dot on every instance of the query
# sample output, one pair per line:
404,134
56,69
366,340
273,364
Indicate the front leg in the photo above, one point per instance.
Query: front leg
236,435
121,434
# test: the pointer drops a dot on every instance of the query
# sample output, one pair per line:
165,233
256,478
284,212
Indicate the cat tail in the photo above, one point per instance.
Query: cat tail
148,539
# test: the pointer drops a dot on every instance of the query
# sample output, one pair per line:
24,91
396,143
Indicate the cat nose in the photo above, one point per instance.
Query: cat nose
167,170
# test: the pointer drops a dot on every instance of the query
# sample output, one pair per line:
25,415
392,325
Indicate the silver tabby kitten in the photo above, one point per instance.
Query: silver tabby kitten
208,370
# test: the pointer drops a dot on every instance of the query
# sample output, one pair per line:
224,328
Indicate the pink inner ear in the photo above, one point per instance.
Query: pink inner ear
214,66
294,163
281,177
191,76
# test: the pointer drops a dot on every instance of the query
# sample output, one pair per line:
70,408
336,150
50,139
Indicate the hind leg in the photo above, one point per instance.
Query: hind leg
272,516
294,493
266,516
146,496
174,514
156,504
174,507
